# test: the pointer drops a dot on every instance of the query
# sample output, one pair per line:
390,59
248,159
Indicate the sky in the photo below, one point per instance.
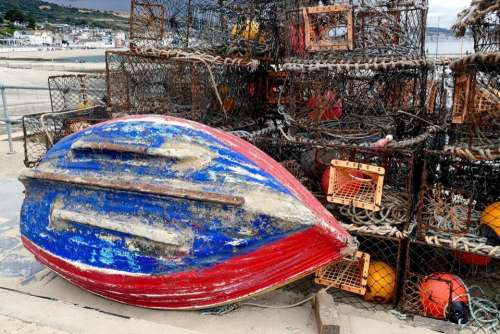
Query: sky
445,10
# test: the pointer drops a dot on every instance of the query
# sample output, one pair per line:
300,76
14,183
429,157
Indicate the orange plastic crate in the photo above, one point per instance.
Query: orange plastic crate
356,184
349,274
319,23
463,91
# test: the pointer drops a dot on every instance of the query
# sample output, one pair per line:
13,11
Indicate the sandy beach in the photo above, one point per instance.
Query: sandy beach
58,54
35,73
24,77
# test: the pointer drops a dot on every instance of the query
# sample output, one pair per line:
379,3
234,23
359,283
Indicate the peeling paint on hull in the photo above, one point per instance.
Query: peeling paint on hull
161,249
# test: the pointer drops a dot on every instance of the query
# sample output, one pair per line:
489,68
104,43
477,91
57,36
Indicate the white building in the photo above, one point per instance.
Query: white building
42,37
35,37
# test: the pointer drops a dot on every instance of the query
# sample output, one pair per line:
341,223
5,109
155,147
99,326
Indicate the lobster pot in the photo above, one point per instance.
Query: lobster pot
228,29
391,172
447,284
373,286
475,115
361,103
210,93
41,131
486,32
354,29
77,91
458,204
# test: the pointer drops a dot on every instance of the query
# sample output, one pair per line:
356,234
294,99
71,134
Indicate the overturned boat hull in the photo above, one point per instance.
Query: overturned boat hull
166,213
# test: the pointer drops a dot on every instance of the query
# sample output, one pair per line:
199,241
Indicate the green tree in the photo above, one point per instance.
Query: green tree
1,19
15,15
31,22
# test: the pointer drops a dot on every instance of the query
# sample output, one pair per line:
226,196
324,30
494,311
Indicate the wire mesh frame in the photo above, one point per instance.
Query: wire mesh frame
356,185
384,275
436,277
437,93
71,92
476,106
141,84
454,192
348,274
357,106
308,162
486,33
147,20
378,29
42,130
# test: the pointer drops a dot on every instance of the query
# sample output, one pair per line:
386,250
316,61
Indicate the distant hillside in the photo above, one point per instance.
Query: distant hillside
441,31
43,11
114,5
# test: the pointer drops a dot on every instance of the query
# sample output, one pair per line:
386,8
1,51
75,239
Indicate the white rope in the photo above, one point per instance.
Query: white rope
463,243
484,313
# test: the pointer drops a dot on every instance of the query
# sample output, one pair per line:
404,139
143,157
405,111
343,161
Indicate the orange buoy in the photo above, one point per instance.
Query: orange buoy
437,291
472,259
490,223
325,180
227,100
324,107
381,283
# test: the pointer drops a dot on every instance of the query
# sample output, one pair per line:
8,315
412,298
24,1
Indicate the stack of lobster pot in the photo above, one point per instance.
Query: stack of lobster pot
360,101
200,60
456,256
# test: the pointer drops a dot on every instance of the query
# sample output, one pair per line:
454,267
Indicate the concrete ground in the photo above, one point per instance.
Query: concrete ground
35,300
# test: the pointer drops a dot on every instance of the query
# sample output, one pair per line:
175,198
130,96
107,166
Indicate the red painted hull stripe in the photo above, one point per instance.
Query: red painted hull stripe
267,267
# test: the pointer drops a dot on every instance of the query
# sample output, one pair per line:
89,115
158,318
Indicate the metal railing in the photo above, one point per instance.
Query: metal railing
18,101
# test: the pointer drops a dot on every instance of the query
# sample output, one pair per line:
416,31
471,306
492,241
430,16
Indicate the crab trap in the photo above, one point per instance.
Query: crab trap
476,107
482,18
193,86
77,91
370,190
353,29
41,131
454,285
486,32
459,203
393,104
371,279
77,101
232,29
